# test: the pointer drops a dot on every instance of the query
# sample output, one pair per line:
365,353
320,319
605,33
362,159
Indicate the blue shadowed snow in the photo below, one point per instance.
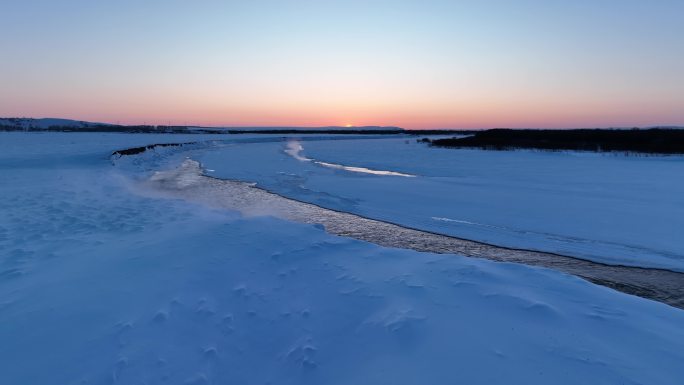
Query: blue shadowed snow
104,283
607,208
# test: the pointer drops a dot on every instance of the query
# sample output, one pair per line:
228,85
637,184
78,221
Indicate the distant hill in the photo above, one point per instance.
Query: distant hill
47,123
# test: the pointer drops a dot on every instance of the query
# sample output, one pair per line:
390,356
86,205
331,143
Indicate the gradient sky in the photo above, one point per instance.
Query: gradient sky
415,64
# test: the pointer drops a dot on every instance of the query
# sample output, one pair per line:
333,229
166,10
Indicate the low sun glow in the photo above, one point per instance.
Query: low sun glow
349,125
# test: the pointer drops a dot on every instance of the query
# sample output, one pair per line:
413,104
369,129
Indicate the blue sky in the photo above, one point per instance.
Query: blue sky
418,64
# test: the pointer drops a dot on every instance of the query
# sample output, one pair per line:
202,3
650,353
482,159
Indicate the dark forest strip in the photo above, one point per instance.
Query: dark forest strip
651,141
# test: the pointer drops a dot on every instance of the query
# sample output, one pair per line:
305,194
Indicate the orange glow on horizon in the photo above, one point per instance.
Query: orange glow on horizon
457,110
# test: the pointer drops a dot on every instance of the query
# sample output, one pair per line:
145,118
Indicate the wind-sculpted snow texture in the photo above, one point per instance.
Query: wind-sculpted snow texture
103,282
608,208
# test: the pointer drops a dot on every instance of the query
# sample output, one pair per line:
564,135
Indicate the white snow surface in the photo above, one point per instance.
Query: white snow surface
102,282
610,208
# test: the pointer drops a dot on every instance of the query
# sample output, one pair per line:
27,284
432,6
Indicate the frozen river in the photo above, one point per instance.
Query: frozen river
188,182
613,209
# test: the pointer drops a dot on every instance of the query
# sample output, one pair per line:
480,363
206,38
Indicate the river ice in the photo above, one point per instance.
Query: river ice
608,208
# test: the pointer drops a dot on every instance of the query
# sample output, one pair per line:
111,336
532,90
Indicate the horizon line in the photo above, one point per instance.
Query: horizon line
481,128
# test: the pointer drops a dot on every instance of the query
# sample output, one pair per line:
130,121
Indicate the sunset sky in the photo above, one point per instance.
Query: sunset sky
414,64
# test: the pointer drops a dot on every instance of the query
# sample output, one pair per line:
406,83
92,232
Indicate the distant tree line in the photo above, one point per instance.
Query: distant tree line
653,141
